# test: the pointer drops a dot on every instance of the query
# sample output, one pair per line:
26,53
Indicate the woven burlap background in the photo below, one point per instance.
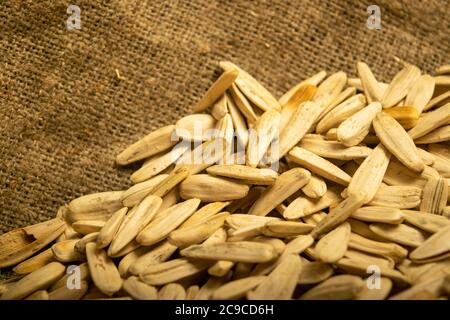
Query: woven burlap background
65,113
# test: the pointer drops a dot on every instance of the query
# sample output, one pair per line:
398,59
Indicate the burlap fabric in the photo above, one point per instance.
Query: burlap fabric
65,112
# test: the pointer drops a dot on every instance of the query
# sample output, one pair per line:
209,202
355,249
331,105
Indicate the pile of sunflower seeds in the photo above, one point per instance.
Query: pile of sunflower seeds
339,189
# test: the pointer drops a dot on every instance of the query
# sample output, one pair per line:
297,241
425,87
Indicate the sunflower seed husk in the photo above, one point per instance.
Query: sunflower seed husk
332,246
281,282
217,89
102,270
341,287
390,250
340,113
402,197
139,290
243,104
157,254
430,121
379,214
435,245
39,279
38,295
85,227
80,245
396,140
202,214
439,135
265,131
400,233
367,179
209,188
252,89
406,116
434,197
315,272
330,88
283,229
107,202
109,230
313,81
261,176
156,165
334,102
83,272
372,89
194,127
171,218
239,251
443,81
237,289
354,129
153,143
400,85
197,233
286,184
130,258
34,263
319,165
134,222
338,215
370,259
304,93
437,101
303,206
334,149
315,188
64,293
420,93
220,108
172,291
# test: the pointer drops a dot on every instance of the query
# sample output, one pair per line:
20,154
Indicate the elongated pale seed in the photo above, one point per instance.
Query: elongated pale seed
334,102
237,220
421,92
237,289
437,244
239,123
286,228
241,172
172,291
139,290
252,89
221,268
402,197
438,100
314,80
109,230
64,293
401,233
172,180
303,206
102,270
198,232
340,113
195,127
405,115
225,129
39,279
210,188
153,143
370,258
285,185
334,149
217,89
332,246
134,222
173,271
107,202
319,165
64,251
354,129
83,227
220,108
372,89
239,251
300,123
330,88
202,214
426,221
69,280
261,136
304,93
281,282
397,141
368,177
384,249
35,263
315,272
157,254
379,214
430,121
338,215
400,85
38,295
315,188
243,104
434,197
439,135
341,287
172,217
159,163
80,245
